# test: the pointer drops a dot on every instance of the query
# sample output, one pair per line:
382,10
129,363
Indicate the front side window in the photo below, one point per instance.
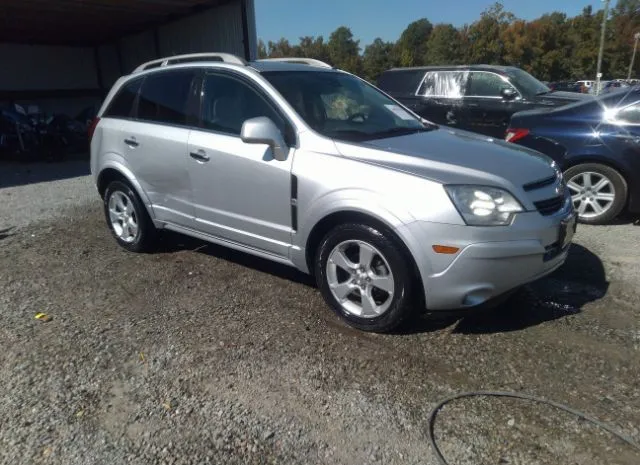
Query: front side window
445,84
122,104
629,115
483,84
165,98
341,106
228,102
526,83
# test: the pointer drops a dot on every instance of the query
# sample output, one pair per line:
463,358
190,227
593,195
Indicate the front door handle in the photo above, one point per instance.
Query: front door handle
131,142
200,156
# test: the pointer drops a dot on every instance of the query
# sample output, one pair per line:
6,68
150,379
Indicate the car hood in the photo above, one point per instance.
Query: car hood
452,156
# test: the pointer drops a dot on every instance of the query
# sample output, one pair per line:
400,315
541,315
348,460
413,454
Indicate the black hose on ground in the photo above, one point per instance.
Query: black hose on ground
514,395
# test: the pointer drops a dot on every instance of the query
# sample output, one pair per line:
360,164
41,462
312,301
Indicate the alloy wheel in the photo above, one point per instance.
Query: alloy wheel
360,279
123,217
592,194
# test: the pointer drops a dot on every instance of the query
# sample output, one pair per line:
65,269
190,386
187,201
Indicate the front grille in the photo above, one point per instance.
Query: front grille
540,184
549,206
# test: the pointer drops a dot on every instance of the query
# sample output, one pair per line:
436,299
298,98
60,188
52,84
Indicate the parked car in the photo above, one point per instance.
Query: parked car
18,137
565,86
64,135
586,85
614,85
315,168
477,98
597,145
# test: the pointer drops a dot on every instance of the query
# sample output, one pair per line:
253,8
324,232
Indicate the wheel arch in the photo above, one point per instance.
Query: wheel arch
336,218
111,173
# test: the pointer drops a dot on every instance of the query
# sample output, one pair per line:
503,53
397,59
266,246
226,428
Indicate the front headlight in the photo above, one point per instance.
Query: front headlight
484,205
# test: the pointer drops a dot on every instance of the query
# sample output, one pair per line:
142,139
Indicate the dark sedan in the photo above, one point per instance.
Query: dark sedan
597,145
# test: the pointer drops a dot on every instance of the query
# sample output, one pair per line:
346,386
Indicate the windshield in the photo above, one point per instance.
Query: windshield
341,106
526,83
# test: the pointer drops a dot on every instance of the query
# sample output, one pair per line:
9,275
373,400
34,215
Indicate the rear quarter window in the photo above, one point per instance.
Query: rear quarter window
400,82
122,104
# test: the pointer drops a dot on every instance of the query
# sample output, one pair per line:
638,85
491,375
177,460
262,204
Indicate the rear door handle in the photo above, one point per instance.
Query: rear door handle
200,155
131,142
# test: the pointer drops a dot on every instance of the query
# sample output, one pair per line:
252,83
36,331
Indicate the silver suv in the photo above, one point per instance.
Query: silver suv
313,167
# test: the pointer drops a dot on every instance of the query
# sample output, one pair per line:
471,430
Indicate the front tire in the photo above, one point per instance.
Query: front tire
364,276
599,192
128,219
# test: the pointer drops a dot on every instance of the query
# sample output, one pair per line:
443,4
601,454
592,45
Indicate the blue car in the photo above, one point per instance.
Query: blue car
596,143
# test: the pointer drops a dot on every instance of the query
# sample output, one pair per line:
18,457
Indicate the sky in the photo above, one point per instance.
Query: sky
387,19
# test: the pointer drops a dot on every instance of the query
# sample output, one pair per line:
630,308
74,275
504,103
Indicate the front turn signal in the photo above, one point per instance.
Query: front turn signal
445,249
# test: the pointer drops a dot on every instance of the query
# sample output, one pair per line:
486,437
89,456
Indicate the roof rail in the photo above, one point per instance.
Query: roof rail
192,57
301,61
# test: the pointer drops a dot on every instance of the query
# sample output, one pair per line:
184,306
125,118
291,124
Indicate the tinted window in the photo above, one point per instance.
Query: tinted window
630,114
448,84
400,82
165,97
486,85
526,83
122,104
229,102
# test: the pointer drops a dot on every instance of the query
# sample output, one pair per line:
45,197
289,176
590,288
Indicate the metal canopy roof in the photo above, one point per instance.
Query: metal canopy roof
87,22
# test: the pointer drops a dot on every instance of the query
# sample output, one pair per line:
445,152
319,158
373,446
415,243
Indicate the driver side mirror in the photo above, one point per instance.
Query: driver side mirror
262,130
508,93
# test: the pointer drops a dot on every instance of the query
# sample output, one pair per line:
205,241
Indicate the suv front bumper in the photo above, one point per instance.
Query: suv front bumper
491,261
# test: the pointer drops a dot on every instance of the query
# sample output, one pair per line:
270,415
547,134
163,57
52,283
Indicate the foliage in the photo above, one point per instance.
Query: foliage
552,47
377,57
411,48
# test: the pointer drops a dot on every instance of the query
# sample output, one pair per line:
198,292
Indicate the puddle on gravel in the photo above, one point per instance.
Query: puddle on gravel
566,297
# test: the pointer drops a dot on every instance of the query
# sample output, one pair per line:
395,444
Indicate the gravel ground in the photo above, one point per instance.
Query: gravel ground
196,354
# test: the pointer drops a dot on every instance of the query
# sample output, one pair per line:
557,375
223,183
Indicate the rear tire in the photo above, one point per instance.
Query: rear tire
599,192
363,275
128,218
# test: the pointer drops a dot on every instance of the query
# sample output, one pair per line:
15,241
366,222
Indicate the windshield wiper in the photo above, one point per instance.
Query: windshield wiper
544,92
395,132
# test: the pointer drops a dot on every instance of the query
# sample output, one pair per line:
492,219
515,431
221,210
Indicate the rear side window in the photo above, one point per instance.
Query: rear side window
166,97
400,82
122,104
445,84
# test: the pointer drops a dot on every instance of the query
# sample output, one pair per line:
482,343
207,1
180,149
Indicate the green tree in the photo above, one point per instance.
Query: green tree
551,47
625,22
377,58
262,49
313,47
445,46
411,48
584,37
280,49
344,50
543,46
485,35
